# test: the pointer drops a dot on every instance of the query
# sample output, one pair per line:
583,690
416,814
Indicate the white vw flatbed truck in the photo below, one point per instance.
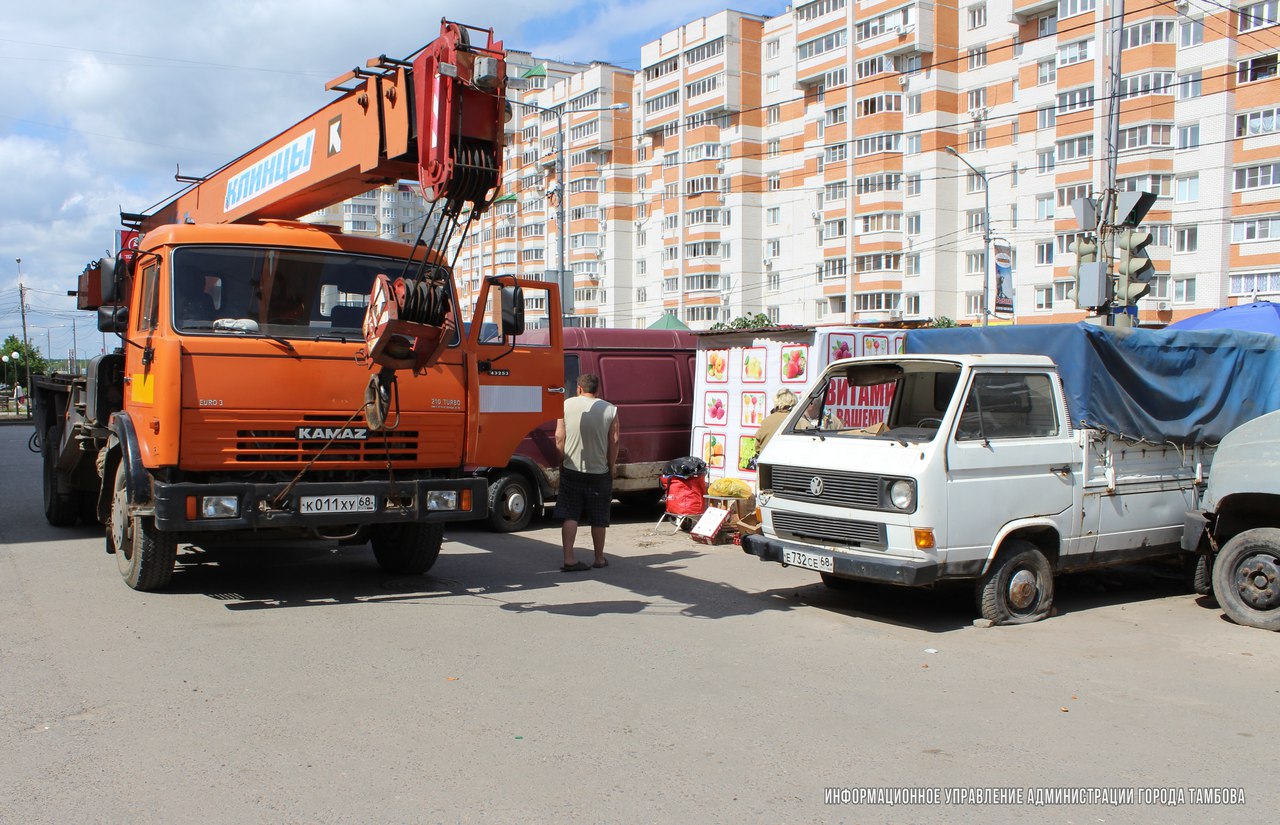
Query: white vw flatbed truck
1025,452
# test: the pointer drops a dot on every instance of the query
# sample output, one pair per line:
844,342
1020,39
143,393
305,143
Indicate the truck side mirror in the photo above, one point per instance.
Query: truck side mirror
113,318
109,285
512,311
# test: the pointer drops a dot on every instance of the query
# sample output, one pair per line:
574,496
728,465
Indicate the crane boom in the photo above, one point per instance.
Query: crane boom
436,118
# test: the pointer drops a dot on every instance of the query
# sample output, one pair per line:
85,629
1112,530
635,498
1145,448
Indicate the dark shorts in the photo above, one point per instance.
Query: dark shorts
584,497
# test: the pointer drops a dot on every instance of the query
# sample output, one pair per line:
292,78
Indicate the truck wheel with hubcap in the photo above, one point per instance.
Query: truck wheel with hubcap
510,503
1246,578
145,554
1018,588
407,549
59,508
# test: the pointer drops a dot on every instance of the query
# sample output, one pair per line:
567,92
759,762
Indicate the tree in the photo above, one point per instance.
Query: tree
756,321
39,366
941,322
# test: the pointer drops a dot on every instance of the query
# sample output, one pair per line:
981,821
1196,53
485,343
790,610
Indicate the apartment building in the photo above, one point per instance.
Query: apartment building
838,163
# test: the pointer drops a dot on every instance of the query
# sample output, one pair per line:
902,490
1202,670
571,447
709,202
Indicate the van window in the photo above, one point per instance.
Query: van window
640,380
1002,405
571,372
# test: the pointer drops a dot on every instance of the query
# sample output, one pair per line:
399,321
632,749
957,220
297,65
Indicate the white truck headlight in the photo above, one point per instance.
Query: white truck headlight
902,494
442,500
219,507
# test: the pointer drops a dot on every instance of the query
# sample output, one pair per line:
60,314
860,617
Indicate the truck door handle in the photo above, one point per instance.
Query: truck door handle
1063,470
558,390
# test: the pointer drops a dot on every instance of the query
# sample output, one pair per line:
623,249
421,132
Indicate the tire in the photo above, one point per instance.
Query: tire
144,554
1018,588
1246,578
408,549
59,508
1202,575
511,503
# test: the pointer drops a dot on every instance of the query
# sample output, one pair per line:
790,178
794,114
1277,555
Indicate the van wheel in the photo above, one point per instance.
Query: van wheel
510,503
144,553
1018,589
1246,578
59,508
407,549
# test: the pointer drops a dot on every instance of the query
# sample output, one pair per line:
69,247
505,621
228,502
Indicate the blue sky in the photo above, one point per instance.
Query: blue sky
104,101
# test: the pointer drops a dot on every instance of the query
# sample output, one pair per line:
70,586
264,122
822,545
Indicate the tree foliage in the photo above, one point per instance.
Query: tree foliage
941,322
39,365
756,321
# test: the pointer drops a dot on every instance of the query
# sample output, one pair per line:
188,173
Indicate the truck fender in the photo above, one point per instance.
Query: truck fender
138,484
526,467
1040,524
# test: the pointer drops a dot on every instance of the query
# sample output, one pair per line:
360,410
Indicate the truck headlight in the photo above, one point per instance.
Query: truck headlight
219,506
442,500
902,494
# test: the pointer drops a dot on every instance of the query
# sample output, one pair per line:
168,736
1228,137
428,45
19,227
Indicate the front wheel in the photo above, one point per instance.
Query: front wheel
407,549
510,504
1018,588
1246,578
145,554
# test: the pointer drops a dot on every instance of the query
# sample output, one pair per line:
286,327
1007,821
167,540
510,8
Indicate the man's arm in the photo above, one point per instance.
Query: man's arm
615,439
560,438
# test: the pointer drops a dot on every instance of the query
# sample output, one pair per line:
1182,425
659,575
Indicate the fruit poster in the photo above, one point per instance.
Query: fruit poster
716,409
739,373
755,406
795,364
718,366
753,361
713,450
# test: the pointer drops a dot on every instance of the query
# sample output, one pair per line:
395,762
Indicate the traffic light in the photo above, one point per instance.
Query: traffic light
1083,291
1134,269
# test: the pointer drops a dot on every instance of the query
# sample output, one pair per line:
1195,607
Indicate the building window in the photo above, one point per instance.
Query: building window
977,98
1146,32
1046,25
914,104
835,229
772,48
913,184
1069,8
1262,122
773,215
1189,85
1187,188
976,138
1184,290
912,145
1263,67
1076,52
1044,253
773,115
1044,161
775,183
913,224
1046,117
973,304
1044,297
912,264
975,262
1257,177
1186,239
977,16
977,57
772,82
1257,229
1189,136
1046,72
1192,33
1259,15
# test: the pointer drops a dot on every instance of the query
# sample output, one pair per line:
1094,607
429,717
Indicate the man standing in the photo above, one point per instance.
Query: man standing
587,439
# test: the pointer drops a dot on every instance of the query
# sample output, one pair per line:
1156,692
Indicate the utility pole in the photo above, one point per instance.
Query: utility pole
986,234
75,352
26,345
1107,230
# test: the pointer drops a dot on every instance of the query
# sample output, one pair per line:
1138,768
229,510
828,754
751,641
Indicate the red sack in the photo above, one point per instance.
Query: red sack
685,496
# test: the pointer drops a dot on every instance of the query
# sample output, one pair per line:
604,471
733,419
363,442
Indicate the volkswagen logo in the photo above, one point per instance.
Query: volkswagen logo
815,486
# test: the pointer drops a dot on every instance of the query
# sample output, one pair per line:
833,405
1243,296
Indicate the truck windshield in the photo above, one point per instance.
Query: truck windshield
281,293
899,401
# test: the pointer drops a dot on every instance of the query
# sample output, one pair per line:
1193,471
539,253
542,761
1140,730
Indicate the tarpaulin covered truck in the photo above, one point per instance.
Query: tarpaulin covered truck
1007,455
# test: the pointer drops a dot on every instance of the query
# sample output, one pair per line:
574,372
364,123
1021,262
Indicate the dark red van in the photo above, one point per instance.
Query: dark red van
648,374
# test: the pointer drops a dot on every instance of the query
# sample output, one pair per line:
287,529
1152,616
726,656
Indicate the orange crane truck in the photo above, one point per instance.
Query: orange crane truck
255,390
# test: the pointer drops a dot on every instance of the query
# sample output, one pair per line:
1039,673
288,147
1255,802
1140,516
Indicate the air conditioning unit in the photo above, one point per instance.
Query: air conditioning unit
979,113
895,315
768,263
720,168
817,217
1163,306
903,80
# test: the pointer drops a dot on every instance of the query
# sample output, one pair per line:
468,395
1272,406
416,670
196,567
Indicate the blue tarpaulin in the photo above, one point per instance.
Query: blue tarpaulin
1178,386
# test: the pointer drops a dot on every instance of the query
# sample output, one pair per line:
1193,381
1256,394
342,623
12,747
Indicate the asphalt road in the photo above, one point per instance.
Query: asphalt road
681,684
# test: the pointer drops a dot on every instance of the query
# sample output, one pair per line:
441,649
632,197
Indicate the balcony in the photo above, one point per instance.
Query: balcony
1026,10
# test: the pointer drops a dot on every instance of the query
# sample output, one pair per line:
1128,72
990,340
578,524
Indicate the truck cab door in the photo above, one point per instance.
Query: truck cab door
1010,456
515,369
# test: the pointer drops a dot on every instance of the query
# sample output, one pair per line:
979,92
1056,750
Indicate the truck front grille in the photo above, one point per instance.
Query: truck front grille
838,488
805,527
273,446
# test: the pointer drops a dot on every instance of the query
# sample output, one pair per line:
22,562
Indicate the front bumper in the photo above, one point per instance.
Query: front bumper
257,511
905,572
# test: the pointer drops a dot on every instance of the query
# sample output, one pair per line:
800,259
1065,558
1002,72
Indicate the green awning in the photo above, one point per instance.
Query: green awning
510,196
537,71
668,321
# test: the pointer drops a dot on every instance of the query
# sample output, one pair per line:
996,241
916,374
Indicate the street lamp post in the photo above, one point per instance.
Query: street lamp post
986,234
562,256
